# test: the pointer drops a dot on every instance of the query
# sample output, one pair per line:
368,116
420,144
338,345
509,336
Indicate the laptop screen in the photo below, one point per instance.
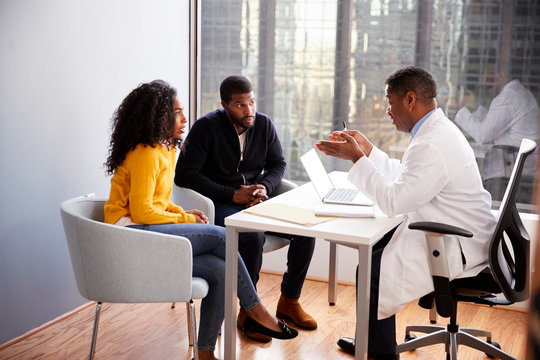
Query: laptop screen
317,173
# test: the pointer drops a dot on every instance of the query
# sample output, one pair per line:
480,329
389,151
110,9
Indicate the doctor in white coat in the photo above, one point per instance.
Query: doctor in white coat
437,180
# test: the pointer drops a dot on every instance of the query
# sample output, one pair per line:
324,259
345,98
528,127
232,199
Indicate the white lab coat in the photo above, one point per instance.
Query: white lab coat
512,116
438,180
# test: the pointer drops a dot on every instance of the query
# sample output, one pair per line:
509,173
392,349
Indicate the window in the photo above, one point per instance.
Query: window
317,63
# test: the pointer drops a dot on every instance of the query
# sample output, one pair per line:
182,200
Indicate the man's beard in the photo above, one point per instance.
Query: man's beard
240,122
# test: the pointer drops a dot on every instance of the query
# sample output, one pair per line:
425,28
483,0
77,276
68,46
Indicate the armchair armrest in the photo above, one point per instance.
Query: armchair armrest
190,199
284,186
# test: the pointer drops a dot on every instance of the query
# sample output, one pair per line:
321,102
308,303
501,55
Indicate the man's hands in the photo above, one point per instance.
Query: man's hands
250,195
200,218
348,145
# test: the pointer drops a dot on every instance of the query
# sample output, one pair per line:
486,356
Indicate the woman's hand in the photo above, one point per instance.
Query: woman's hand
200,218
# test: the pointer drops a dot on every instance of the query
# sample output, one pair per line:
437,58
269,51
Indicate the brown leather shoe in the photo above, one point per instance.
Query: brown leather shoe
290,309
252,335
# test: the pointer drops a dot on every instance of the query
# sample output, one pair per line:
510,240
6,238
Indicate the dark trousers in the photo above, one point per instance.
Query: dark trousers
250,247
381,333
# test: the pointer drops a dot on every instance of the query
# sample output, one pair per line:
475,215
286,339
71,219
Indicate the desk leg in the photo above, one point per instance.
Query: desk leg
231,280
433,315
363,282
332,274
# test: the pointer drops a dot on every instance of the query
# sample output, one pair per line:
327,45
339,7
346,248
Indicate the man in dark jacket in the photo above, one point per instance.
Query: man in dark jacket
233,156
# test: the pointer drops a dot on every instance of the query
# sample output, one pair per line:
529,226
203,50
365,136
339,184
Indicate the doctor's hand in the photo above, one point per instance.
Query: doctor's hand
365,145
341,145
250,195
200,218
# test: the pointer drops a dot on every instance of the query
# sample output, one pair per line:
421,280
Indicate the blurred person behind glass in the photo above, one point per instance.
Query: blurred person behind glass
512,115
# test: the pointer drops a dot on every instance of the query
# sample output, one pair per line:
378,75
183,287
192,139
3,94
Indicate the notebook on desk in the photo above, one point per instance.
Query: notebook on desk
324,186
344,211
286,212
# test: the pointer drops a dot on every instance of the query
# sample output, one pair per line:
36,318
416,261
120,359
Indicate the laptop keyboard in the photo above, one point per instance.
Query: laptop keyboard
343,194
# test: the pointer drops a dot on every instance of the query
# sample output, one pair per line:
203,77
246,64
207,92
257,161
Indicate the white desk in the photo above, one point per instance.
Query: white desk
358,233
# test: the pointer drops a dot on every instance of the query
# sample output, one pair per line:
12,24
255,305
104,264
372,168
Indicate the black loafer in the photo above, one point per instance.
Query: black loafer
286,332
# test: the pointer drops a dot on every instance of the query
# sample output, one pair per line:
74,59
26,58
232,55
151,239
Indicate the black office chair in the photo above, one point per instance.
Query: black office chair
497,186
507,273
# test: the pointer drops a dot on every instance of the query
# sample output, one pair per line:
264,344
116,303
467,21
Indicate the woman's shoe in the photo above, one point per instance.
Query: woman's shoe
286,332
251,335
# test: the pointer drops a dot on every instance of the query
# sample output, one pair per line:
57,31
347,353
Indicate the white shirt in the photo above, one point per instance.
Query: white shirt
437,180
512,116
242,142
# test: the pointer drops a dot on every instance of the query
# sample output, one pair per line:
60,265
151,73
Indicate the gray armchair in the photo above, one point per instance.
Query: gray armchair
121,265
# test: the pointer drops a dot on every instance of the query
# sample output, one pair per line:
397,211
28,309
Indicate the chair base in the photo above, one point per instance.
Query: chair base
451,339
95,330
192,328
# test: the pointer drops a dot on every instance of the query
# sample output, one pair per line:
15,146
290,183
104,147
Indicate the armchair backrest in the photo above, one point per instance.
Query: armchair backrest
510,245
118,264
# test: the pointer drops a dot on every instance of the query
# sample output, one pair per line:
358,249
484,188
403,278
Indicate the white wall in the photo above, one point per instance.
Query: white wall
65,65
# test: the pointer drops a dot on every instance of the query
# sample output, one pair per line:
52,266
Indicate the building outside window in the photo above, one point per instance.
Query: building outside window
317,63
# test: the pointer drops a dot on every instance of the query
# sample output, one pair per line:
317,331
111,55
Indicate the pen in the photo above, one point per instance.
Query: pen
344,126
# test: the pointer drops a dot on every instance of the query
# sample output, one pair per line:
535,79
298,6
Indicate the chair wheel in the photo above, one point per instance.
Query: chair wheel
496,344
410,337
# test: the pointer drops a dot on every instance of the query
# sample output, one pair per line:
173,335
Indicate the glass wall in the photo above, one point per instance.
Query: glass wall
317,63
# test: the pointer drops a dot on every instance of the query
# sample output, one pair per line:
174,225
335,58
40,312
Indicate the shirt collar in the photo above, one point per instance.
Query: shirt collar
420,122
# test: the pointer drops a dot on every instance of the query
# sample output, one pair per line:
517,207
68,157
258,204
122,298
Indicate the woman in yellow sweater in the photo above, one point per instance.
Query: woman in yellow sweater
147,128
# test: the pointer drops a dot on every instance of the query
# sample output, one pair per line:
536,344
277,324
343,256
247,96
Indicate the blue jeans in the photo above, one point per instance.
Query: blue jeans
208,247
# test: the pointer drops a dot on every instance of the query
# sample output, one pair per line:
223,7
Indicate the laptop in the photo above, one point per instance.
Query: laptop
324,186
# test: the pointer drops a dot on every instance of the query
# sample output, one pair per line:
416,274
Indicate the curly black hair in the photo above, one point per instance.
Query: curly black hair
145,116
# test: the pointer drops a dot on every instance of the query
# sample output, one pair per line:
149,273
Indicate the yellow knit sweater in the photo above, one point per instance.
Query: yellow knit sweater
141,188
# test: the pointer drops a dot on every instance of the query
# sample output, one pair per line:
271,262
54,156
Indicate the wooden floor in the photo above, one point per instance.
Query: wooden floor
155,331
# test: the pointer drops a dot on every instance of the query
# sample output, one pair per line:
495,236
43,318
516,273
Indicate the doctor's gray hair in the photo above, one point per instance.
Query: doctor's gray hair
415,79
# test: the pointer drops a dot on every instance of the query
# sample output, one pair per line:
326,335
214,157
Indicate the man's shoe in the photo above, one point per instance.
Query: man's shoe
386,357
290,309
347,345
250,334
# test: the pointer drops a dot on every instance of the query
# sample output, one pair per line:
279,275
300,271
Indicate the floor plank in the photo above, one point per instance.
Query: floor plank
155,331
